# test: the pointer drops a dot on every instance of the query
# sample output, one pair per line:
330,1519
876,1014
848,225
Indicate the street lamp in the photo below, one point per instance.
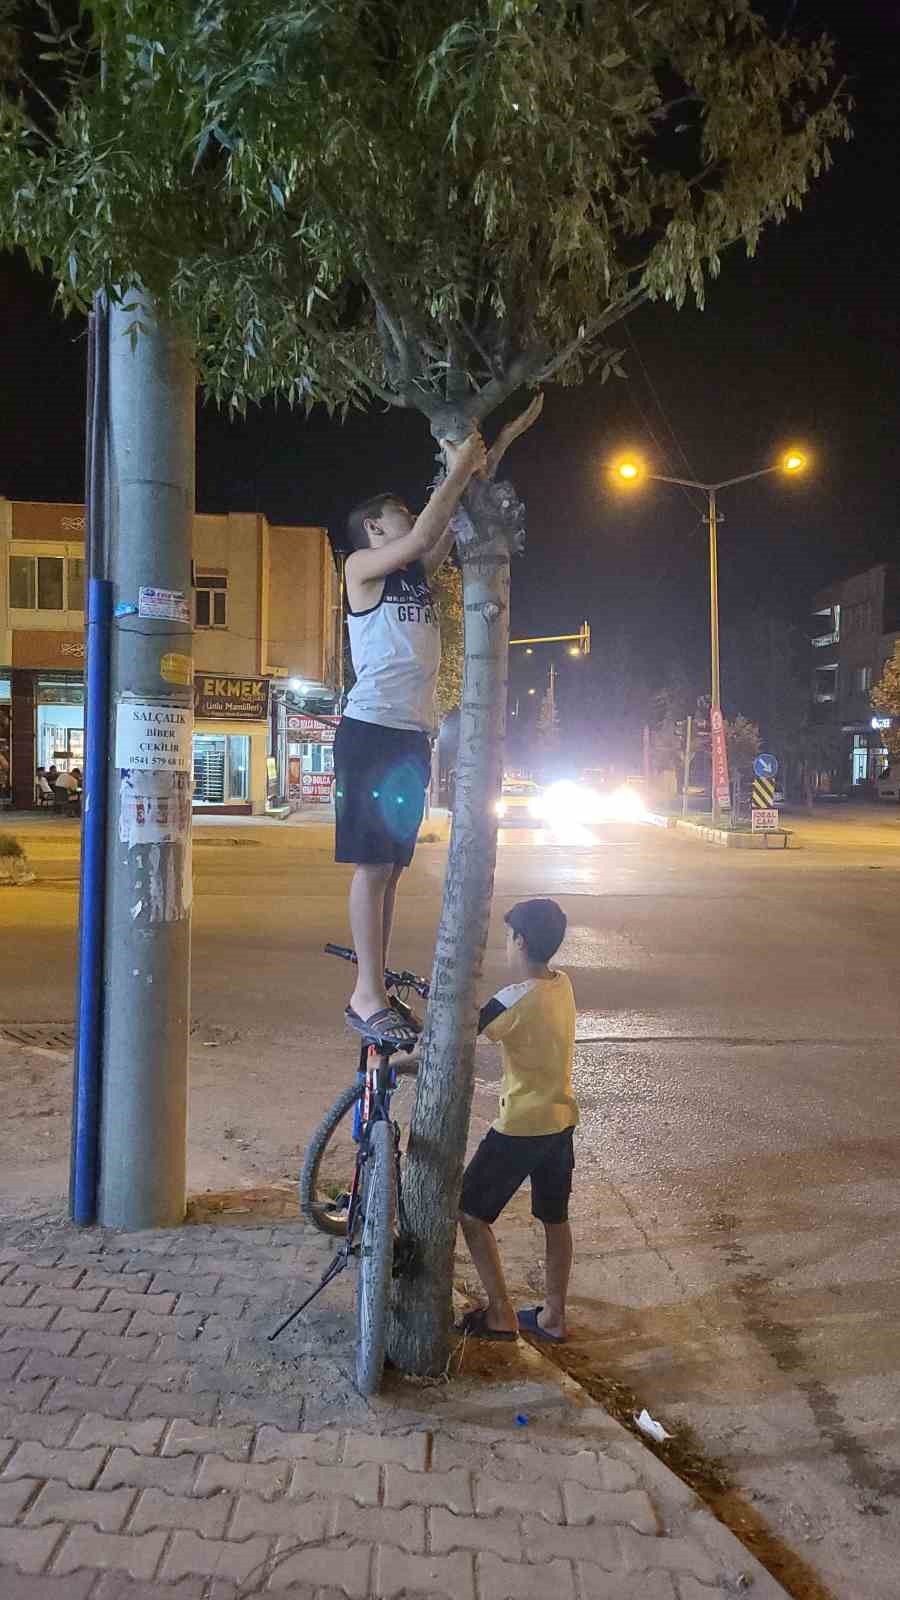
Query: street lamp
630,470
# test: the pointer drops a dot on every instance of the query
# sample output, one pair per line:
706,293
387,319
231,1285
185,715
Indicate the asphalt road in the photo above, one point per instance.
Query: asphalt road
737,1203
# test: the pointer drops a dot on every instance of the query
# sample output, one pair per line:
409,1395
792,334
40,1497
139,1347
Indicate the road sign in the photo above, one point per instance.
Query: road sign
763,795
764,820
765,766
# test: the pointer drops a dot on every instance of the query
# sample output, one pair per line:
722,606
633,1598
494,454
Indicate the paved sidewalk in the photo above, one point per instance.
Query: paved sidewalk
153,1443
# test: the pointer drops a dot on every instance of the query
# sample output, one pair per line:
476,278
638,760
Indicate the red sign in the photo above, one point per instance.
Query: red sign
316,730
721,789
317,787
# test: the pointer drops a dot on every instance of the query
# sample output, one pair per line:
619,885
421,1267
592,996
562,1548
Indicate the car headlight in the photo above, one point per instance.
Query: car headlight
626,805
536,807
500,808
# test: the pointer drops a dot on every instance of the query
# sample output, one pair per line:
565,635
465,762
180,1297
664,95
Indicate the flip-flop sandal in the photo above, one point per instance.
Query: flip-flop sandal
528,1322
475,1325
382,1027
407,1013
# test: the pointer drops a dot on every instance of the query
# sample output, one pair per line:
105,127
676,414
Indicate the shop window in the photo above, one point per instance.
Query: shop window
211,600
46,583
221,768
862,679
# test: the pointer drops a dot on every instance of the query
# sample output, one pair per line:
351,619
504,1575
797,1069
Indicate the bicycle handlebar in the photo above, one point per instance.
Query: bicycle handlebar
395,980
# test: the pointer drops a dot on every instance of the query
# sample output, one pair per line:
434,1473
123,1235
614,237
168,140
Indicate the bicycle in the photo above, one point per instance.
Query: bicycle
350,1185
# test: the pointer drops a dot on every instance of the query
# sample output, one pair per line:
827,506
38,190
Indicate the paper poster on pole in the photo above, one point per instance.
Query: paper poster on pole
764,820
166,605
719,751
151,737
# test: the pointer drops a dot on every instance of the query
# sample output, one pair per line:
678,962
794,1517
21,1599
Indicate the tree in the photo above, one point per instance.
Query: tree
435,206
886,699
742,740
446,587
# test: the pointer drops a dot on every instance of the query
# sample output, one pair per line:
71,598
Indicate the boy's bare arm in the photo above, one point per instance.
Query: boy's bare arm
440,551
431,524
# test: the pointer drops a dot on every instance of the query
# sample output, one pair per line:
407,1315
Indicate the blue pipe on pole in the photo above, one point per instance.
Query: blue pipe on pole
86,1100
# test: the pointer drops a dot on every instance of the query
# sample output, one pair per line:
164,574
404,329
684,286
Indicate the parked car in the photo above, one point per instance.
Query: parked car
520,802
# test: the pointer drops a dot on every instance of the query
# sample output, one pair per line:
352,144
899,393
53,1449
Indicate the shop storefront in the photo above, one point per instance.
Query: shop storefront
231,733
310,759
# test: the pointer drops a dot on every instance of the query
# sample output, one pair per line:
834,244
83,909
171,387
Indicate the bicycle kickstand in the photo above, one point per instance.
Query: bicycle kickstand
337,1266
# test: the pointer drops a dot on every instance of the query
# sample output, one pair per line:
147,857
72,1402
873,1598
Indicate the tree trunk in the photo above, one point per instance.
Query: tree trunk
421,1323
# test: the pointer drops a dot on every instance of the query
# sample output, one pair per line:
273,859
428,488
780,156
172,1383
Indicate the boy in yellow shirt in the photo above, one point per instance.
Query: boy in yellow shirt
533,1020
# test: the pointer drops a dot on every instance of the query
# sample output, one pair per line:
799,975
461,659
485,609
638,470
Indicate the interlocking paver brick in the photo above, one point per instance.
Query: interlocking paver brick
404,1449
47,1294
539,1498
502,1534
204,1305
116,1346
153,1305
157,1509
58,1503
355,1483
544,1542
115,1586
198,1408
14,1497
597,1584
175,1474
7,1446
37,1425
161,1374
265,1479
273,1444
191,1283
451,1489
54,1339
278,1412
233,1442
505,1580
28,1548
102,1278
15,1294
175,1346
23,1586
85,1547
60,1277
80,1369
632,1506
112,1322
594,1469
345,1568
398,1572
84,1397
643,1554
11,1361
29,1316
404,1528
145,1322
77,1468
189,1556
144,1437
25,1396
304,1520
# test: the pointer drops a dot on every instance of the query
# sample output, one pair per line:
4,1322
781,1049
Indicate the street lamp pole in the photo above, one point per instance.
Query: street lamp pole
792,462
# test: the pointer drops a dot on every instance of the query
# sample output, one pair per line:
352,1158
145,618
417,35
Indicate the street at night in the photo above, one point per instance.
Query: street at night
735,1205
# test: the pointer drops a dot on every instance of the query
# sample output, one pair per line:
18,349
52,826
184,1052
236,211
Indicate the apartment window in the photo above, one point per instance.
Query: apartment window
862,680
46,583
211,600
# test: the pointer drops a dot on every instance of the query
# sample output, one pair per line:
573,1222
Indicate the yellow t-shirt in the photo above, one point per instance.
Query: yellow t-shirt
534,1023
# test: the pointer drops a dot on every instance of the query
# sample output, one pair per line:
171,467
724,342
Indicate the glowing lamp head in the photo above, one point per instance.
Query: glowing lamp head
628,471
793,461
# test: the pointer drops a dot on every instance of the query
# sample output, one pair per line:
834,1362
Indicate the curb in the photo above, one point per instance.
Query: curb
779,840
683,1507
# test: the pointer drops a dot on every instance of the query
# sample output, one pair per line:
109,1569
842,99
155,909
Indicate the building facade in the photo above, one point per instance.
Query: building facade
267,623
856,623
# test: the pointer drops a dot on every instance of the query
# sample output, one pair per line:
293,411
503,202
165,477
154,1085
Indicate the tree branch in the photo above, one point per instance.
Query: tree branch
622,308
511,432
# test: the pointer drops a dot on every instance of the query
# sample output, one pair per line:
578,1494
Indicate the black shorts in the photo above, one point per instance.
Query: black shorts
501,1164
380,779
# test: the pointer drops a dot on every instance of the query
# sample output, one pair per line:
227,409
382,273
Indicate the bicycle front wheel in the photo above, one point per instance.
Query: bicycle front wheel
376,1256
329,1166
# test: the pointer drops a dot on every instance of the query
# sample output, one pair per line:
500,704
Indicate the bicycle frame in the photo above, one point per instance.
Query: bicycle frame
373,1105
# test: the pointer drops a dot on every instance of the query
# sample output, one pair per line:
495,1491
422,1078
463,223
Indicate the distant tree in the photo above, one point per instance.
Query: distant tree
742,739
886,699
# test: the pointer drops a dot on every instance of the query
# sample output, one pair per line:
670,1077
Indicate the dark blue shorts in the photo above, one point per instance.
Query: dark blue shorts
501,1164
380,779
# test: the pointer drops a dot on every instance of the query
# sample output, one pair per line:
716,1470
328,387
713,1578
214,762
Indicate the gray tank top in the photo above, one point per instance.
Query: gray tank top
396,651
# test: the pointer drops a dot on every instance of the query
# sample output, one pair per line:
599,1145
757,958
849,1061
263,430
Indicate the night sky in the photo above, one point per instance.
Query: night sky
800,344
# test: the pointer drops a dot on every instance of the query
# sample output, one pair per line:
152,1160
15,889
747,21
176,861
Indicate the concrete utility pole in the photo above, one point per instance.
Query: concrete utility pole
146,968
